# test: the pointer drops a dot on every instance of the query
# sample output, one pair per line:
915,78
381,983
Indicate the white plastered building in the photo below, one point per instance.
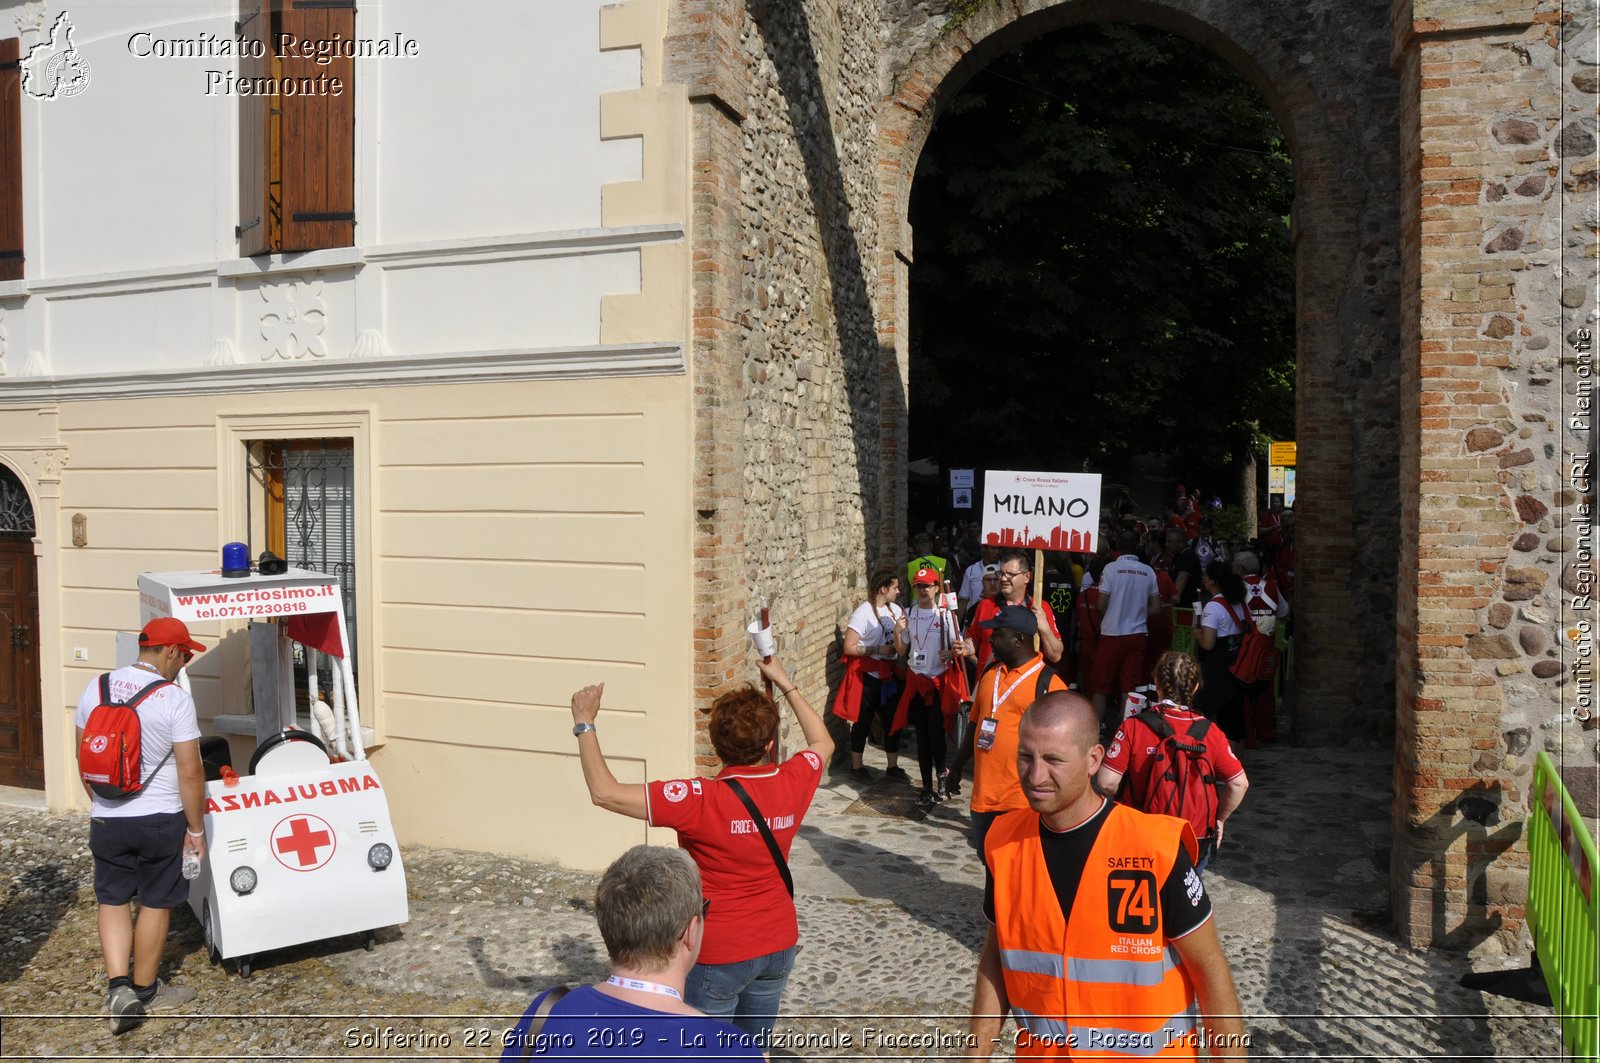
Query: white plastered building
428,333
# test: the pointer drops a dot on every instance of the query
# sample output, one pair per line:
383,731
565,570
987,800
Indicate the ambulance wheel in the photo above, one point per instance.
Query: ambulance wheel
244,967
371,941
206,922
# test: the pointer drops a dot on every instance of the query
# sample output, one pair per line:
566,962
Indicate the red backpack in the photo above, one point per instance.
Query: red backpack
108,759
1257,658
1180,779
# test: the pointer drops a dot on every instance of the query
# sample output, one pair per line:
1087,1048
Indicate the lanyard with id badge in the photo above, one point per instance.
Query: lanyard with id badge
922,636
988,725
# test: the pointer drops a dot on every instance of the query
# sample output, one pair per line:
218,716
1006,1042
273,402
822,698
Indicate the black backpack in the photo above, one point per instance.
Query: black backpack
1180,779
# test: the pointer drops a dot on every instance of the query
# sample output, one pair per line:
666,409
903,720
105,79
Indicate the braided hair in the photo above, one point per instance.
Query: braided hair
1177,677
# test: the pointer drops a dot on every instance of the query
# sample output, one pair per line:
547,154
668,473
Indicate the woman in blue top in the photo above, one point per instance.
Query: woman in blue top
652,917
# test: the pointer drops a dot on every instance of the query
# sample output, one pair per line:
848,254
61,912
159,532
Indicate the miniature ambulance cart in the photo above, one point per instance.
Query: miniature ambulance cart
300,848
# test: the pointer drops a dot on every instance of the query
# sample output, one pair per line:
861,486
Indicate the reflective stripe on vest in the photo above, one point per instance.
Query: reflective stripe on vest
1027,962
1124,989
1116,972
1124,972
1135,1042
1041,1027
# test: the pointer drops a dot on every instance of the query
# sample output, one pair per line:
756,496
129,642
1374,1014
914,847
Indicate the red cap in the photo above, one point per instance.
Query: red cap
927,576
166,631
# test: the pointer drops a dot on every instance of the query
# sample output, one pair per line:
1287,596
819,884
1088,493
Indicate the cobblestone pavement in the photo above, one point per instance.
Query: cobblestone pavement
889,900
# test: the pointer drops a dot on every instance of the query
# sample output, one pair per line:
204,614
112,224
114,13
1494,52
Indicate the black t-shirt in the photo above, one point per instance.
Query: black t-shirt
1067,852
1187,561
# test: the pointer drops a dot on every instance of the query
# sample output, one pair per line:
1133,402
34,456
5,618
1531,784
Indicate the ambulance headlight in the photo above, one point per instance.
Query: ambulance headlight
243,880
379,856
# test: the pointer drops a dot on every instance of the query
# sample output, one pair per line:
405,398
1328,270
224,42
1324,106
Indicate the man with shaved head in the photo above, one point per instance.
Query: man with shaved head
1100,935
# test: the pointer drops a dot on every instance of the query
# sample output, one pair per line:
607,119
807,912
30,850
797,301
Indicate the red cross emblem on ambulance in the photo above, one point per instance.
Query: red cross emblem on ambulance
303,843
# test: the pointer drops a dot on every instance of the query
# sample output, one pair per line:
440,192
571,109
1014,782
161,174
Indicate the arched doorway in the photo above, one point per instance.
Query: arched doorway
21,723
1345,229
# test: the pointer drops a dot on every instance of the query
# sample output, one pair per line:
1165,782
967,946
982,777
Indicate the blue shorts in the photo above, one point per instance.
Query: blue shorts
140,855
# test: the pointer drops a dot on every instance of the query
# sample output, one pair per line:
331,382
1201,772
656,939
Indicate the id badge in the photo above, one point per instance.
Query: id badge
919,660
986,731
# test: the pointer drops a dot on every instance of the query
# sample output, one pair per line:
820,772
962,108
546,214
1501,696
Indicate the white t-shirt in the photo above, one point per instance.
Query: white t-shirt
1129,583
1216,616
165,717
876,627
926,643
971,584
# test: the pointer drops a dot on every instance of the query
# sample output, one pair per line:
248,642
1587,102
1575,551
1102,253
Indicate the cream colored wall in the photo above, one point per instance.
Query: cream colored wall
525,539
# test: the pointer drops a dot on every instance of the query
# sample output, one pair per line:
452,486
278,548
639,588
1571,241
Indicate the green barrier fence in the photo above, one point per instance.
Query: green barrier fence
1183,630
1561,909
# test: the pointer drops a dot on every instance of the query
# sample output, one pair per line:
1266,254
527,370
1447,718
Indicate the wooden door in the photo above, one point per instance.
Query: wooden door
21,724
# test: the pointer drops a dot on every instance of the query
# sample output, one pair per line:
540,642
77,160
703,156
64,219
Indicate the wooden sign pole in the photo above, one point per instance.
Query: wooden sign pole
766,622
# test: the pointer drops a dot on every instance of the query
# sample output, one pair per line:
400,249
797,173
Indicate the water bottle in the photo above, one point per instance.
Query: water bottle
191,864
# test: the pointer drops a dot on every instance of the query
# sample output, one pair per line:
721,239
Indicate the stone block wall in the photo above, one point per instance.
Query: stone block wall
1445,227
793,494
1498,143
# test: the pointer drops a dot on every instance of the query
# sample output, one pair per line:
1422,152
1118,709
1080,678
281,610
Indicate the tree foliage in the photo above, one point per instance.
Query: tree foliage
1102,262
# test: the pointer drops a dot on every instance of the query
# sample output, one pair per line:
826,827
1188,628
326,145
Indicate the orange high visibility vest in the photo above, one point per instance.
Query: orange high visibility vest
1102,981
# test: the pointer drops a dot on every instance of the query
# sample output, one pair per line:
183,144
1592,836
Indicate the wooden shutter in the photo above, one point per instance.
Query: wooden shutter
254,129
319,132
10,160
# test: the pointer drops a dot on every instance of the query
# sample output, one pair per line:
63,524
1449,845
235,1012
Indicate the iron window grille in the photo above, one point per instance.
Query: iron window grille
306,490
16,511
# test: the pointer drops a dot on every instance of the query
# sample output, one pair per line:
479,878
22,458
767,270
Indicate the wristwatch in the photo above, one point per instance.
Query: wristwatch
582,728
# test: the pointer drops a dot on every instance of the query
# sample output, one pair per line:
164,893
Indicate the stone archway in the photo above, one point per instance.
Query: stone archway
1336,100
1443,297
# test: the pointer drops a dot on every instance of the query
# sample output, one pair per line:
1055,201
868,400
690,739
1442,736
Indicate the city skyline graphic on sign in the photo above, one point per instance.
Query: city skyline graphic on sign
1073,541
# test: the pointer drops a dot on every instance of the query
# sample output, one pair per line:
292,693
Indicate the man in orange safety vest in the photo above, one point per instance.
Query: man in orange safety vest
1142,973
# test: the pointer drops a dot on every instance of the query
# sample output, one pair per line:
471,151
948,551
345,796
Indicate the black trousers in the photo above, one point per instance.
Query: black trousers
873,704
927,718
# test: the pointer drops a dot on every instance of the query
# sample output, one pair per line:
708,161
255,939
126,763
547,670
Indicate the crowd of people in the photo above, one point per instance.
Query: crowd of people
1094,812
1106,618
1100,938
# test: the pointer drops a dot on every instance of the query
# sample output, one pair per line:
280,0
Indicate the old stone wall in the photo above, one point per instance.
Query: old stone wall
1445,230
1498,136
793,389
814,497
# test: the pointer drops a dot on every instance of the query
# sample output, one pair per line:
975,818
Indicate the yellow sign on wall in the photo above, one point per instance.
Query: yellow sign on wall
1281,453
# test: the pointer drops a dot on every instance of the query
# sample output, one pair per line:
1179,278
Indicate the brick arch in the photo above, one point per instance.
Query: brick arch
1345,228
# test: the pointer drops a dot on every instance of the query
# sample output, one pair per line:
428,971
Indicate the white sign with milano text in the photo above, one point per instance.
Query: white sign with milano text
1041,510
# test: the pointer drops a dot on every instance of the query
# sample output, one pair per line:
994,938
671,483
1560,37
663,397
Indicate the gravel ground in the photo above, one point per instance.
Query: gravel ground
889,904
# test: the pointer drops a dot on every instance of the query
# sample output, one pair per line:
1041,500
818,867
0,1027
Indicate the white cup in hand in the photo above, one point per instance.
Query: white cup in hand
761,638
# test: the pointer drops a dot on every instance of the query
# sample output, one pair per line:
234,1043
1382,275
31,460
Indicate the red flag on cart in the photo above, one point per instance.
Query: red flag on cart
320,631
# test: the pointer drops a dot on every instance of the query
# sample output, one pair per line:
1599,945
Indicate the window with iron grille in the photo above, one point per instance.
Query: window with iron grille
16,511
306,489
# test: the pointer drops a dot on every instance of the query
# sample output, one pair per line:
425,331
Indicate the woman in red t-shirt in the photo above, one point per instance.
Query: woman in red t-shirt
751,927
